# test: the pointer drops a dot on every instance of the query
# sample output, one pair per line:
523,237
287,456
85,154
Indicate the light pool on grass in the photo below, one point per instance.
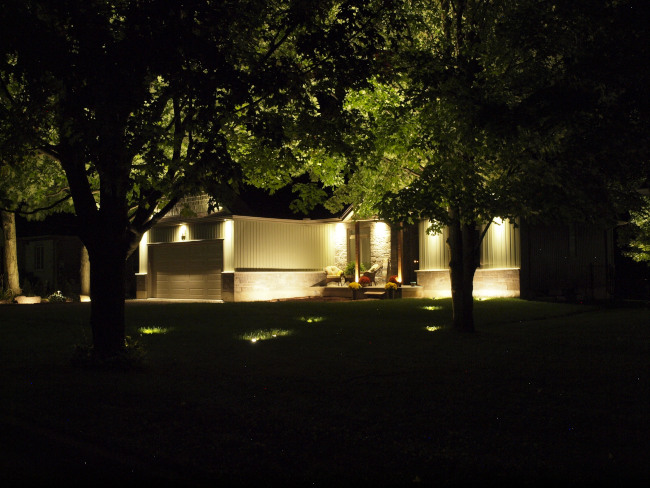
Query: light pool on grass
264,335
311,320
433,328
153,330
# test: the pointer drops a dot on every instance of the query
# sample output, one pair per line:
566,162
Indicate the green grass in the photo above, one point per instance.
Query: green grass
371,392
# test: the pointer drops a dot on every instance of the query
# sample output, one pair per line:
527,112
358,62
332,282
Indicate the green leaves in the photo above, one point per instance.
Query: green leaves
635,235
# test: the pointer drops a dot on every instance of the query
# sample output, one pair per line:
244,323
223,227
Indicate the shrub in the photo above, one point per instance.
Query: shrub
56,297
393,279
364,281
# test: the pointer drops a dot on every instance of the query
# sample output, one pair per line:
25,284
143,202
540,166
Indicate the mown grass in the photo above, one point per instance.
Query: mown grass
359,392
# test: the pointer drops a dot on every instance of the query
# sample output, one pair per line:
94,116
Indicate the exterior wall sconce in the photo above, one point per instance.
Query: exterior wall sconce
183,232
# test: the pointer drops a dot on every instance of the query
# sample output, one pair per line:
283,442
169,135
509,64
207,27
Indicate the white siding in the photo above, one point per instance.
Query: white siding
197,231
279,245
501,247
434,253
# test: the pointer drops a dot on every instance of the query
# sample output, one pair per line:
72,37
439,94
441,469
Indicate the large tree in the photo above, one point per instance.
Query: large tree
502,109
33,189
154,100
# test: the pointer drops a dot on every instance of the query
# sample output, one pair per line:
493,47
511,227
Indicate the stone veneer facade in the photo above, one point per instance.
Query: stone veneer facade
487,282
244,286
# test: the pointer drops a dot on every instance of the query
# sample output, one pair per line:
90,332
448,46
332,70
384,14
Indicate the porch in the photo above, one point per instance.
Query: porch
405,291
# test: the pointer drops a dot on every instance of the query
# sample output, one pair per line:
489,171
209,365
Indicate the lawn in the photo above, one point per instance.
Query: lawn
315,393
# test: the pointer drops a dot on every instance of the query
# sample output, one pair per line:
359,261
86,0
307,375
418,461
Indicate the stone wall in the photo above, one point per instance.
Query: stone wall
487,282
380,249
267,285
228,286
341,246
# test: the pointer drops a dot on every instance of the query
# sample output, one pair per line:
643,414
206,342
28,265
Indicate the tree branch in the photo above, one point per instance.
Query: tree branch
34,211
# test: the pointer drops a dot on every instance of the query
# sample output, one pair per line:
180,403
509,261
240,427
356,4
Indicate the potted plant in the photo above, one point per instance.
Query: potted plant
364,281
356,290
391,288
349,270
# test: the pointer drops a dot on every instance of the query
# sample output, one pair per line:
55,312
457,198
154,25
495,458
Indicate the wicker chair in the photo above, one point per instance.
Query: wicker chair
333,273
374,269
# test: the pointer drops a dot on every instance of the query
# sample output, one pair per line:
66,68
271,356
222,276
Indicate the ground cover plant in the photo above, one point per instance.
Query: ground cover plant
378,392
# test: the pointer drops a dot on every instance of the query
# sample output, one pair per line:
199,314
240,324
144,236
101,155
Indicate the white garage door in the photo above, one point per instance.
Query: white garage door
187,270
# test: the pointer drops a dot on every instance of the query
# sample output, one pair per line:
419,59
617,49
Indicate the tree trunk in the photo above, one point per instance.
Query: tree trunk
462,243
10,255
84,272
107,291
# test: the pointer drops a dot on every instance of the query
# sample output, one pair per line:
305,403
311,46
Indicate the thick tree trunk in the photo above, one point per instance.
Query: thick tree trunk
107,290
462,266
10,254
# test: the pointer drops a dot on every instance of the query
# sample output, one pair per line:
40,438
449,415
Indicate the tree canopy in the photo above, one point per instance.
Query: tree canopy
145,102
521,109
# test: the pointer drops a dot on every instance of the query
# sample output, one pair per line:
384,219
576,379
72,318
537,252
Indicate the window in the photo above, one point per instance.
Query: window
364,245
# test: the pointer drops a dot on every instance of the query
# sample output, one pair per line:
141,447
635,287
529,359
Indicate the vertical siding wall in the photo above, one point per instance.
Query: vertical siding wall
193,232
434,253
501,247
281,245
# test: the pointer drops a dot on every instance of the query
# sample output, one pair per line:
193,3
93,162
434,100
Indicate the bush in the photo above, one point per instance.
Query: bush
56,297
364,281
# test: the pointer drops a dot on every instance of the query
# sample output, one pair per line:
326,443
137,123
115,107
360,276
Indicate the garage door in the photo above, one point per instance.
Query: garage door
187,270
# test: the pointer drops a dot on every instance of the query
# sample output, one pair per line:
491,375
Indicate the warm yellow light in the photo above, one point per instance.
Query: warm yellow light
381,231
311,320
153,330
84,298
432,307
433,328
263,335
183,232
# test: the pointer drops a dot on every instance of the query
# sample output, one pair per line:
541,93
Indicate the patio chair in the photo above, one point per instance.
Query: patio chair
333,273
372,272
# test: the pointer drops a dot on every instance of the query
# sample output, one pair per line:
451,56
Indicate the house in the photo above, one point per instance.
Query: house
568,261
235,256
